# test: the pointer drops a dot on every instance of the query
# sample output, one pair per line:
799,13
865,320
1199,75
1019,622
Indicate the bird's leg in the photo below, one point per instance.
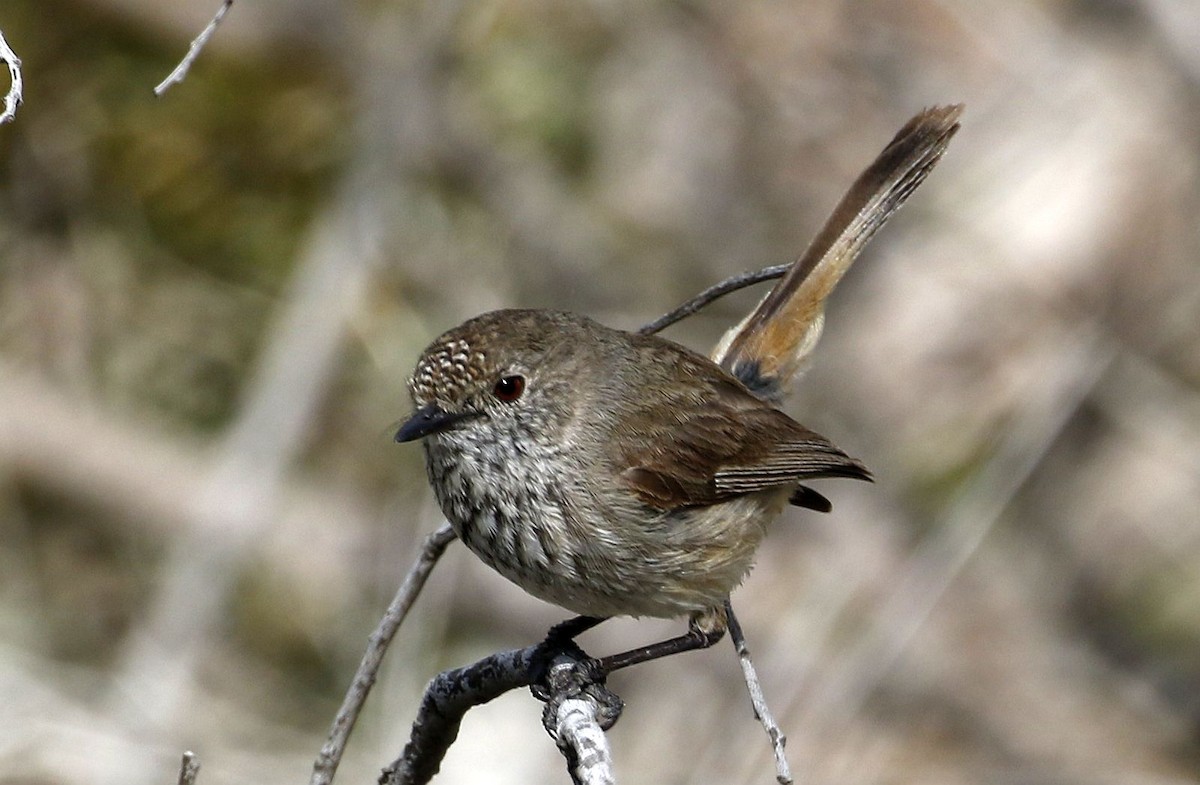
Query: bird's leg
704,629
566,631
693,639
562,670
559,641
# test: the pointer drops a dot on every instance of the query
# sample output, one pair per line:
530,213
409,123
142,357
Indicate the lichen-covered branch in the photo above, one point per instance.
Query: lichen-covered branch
579,709
581,738
447,698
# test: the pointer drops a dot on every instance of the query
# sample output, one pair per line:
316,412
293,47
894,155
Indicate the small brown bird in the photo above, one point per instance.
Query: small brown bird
614,473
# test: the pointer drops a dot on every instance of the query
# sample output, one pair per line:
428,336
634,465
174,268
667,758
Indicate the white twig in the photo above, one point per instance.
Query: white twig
762,712
580,737
198,43
331,754
13,98
189,767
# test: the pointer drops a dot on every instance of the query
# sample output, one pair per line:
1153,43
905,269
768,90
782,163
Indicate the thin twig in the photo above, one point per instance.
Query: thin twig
189,767
339,734
14,96
762,712
731,284
193,52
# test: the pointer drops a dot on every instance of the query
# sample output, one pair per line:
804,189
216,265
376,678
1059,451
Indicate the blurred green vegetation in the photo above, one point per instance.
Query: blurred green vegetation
185,212
223,177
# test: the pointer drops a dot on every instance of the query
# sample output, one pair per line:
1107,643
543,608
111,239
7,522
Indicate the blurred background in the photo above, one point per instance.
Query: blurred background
209,303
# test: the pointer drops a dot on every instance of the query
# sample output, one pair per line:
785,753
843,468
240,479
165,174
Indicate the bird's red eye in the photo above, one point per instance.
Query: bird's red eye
509,388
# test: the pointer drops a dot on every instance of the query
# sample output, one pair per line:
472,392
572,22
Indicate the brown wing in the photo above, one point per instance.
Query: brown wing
728,444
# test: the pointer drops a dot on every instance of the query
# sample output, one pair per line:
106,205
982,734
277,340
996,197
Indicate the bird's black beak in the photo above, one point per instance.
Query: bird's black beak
430,418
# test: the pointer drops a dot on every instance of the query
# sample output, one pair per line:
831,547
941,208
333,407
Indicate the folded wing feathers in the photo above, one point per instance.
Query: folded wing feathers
789,463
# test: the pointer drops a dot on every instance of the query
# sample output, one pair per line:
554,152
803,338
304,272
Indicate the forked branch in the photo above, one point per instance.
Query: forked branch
577,711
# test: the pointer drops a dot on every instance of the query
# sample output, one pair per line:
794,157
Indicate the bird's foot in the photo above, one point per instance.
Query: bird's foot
562,671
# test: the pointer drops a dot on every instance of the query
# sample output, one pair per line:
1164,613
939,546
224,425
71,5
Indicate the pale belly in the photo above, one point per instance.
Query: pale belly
629,561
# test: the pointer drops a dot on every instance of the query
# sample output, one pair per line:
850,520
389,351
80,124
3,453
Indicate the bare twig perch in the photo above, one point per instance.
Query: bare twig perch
761,711
193,52
13,98
339,734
